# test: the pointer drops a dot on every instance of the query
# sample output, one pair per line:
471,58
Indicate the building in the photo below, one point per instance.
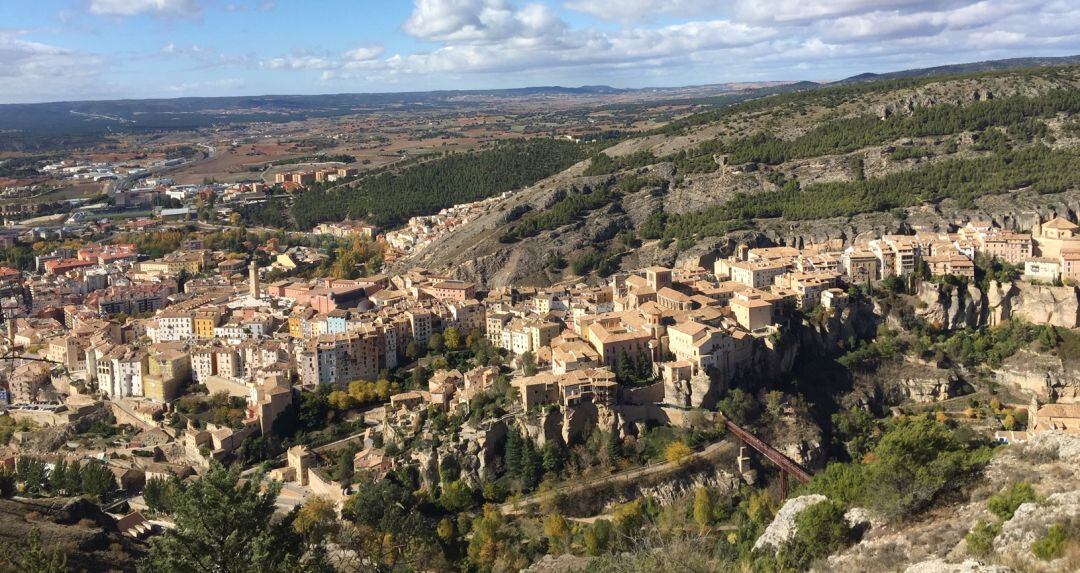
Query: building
168,369
453,290
1056,236
26,381
1013,248
860,267
342,358
953,264
751,311
1042,269
756,274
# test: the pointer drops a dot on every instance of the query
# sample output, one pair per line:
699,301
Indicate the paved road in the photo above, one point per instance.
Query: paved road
711,451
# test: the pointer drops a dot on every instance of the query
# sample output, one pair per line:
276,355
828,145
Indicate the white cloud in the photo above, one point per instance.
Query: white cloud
134,7
209,86
33,71
362,57
302,62
632,11
480,21
497,37
811,11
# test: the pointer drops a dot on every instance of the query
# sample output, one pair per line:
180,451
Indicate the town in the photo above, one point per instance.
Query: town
499,286
198,355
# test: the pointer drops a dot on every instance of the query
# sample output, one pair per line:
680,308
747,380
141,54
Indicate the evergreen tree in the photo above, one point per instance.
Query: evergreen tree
31,557
224,525
58,478
96,479
512,453
554,457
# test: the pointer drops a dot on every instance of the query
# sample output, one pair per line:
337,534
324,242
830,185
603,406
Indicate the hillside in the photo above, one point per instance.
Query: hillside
794,168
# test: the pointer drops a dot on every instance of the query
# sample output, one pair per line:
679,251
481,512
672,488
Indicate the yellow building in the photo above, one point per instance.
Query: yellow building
205,321
170,265
167,370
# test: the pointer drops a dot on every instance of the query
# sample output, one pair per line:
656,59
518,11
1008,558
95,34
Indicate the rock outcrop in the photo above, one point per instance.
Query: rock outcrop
952,307
934,542
1029,524
939,565
1038,304
782,529
1047,376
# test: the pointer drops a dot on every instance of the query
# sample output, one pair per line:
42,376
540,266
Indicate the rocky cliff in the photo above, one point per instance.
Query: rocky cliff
952,307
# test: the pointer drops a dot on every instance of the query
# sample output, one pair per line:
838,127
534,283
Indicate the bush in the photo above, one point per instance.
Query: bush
980,540
917,461
1004,503
1052,546
677,452
820,530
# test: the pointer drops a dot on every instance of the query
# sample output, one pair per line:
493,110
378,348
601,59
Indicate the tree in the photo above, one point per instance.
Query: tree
1010,422
340,400
157,493
224,524
554,457
452,338
445,530
557,531
436,343
457,496
528,363
597,538
97,480
412,350
819,531
31,557
58,478
703,507
32,474
316,520
7,483
677,452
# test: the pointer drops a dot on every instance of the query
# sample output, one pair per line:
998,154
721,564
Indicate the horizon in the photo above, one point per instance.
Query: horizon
102,50
823,82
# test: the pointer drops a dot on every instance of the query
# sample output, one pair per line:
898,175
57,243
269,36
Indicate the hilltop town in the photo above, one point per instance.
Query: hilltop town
834,328
194,357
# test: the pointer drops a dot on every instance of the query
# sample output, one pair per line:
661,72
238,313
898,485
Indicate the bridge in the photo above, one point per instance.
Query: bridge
787,465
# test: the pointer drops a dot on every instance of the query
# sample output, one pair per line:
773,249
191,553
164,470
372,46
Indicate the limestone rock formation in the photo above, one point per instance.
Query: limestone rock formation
782,528
1039,304
1048,377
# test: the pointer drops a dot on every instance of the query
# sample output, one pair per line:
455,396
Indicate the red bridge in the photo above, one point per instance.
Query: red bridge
786,464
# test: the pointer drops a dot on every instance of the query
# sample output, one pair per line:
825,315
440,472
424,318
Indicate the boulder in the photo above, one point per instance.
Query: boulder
782,528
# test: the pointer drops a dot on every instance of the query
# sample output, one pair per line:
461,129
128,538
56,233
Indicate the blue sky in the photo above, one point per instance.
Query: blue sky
103,49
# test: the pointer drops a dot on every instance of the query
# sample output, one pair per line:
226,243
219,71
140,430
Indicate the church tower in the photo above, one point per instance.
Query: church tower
253,280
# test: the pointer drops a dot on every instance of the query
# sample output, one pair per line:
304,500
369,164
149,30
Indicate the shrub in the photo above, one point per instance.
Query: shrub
916,462
820,530
980,540
1052,546
1004,503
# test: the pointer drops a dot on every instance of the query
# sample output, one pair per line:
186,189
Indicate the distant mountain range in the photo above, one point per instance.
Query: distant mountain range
972,67
93,118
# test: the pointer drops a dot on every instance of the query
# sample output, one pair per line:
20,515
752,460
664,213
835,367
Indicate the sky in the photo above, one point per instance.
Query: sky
58,50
